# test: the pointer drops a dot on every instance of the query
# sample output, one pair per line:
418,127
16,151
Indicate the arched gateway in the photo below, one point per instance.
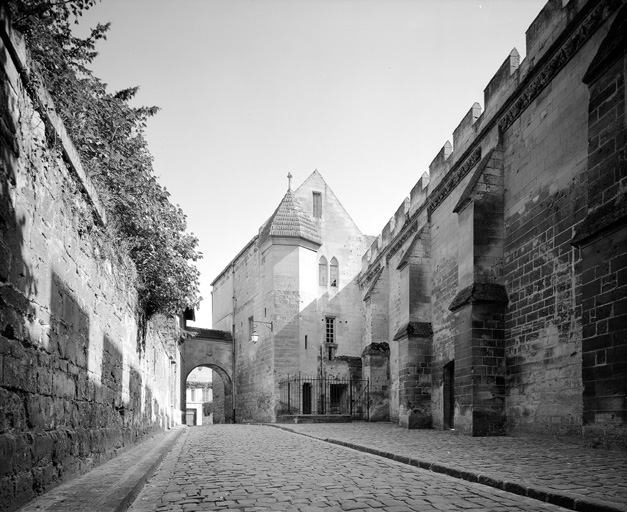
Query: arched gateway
213,349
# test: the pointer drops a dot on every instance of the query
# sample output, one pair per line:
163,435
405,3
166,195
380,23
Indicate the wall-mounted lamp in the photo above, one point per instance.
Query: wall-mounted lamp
254,337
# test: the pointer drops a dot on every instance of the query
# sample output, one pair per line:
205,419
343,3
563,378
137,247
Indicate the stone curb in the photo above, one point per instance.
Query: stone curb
113,486
552,496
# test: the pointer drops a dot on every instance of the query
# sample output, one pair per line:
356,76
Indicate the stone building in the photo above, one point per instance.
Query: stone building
295,287
496,296
500,282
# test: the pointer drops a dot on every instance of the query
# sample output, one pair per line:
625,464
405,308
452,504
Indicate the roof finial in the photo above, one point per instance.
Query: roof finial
289,181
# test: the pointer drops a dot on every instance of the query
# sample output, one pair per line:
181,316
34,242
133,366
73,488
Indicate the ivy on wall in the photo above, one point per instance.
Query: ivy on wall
109,136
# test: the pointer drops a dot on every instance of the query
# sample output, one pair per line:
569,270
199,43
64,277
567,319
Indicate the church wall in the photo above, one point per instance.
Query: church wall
379,308
536,119
447,241
602,239
545,152
398,313
394,385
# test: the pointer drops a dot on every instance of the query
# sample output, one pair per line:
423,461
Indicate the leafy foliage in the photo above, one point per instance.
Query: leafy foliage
109,135
198,385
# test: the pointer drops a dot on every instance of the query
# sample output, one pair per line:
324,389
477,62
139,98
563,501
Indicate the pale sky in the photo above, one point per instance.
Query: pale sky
365,91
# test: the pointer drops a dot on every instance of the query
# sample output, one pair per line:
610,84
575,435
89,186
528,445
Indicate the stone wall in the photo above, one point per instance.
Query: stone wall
220,408
526,220
254,361
76,386
602,238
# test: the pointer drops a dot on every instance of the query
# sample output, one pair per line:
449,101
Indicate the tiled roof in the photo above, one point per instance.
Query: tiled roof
290,220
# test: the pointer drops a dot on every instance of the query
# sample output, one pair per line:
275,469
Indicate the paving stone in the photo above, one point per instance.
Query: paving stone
255,467
559,469
304,474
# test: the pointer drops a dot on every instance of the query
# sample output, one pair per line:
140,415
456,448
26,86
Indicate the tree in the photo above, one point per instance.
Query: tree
109,136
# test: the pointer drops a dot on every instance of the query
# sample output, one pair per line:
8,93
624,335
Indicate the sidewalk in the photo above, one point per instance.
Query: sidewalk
556,471
113,486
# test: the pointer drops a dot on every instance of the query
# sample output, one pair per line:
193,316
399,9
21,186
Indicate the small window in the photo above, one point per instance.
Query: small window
334,272
330,329
305,342
251,326
317,205
322,271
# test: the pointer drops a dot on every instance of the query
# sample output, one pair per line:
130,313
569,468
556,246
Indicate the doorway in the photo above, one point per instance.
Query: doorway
338,399
449,395
307,398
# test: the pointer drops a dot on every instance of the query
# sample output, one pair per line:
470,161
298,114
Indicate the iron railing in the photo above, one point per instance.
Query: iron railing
324,396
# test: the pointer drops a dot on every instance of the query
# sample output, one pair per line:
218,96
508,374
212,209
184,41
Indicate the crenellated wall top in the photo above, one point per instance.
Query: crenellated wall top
561,28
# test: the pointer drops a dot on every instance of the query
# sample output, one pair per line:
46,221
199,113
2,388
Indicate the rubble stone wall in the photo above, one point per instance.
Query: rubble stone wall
76,386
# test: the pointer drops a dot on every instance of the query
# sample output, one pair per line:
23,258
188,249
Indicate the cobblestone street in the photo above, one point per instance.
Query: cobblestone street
254,467
564,467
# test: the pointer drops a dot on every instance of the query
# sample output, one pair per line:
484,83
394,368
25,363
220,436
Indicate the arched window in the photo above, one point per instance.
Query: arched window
322,271
334,272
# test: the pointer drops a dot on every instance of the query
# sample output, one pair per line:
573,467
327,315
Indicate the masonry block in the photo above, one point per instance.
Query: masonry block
48,309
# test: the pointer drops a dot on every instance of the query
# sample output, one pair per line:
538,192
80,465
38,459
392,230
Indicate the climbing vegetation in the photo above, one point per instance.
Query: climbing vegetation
109,136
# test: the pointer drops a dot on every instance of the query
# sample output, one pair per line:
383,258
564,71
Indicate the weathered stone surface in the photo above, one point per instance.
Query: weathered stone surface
375,349
528,332
380,411
413,418
71,374
479,292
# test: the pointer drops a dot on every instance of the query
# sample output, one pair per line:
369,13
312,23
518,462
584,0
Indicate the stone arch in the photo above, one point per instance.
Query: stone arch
226,400
212,349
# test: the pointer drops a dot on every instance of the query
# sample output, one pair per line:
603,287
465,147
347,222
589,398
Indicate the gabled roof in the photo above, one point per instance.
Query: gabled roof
290,220
315,182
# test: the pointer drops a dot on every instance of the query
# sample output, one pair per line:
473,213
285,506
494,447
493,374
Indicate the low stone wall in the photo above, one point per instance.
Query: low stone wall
76,386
